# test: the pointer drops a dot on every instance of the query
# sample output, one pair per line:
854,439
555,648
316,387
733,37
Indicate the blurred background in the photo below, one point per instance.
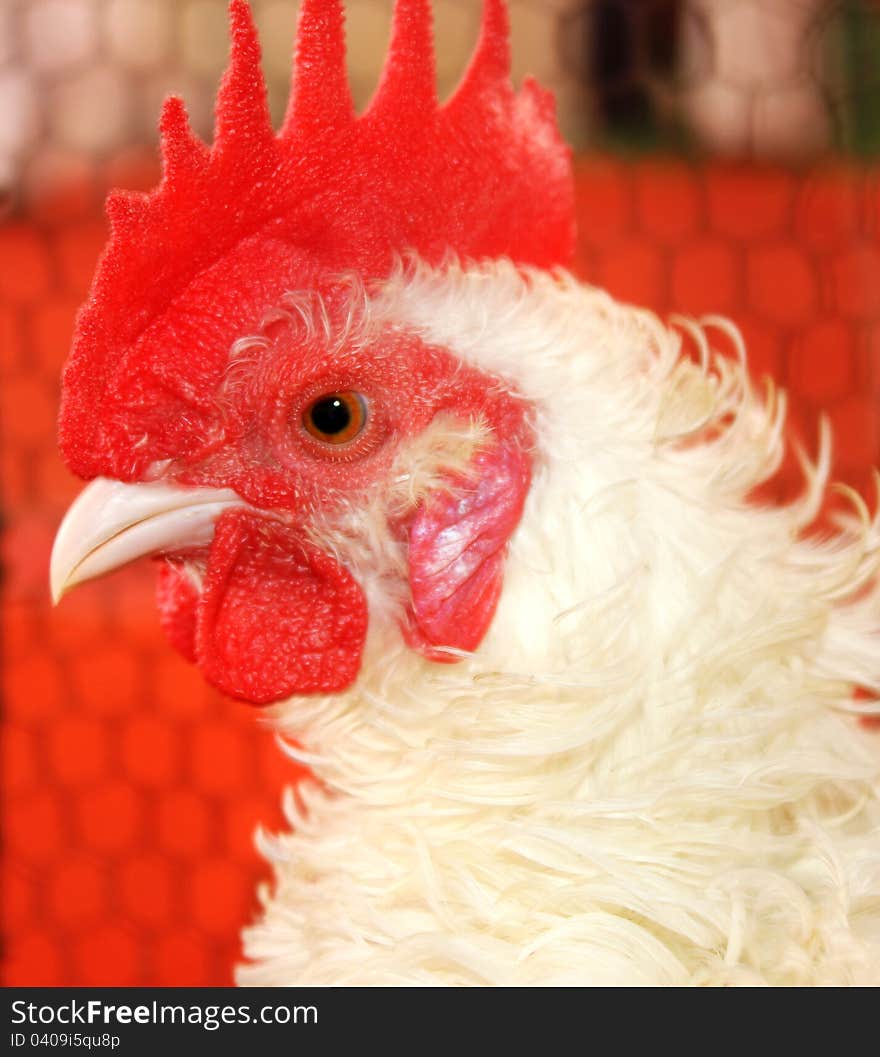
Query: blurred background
727,162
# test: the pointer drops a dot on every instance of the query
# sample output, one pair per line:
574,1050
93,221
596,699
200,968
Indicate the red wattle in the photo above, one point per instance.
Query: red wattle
275,616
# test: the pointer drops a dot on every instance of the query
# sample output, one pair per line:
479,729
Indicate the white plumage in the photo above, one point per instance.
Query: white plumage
650,771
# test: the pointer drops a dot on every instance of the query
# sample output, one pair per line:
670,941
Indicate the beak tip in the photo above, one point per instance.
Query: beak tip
58,586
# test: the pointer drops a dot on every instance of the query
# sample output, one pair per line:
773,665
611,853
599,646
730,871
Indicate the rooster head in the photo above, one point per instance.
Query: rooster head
242,410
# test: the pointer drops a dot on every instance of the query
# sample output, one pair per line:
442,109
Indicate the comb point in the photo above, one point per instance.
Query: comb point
320,96
541,100
408,81
489,68
242,109
179,145
124,210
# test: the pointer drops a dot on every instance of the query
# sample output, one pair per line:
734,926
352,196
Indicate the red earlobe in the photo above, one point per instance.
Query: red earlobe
457,544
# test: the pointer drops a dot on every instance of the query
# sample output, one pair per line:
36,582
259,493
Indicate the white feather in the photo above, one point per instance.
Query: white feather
647,774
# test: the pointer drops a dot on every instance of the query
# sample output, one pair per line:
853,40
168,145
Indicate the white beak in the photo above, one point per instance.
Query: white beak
111,523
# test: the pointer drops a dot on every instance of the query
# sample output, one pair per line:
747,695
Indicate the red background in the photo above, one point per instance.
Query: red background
130,791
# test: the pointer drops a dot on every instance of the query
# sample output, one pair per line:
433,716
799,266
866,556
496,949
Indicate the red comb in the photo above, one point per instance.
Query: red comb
197,262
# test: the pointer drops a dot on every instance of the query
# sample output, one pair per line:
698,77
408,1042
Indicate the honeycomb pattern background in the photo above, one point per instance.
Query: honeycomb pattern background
130,790
81,81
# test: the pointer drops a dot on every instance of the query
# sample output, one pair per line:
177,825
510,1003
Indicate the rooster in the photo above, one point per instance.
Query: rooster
576,709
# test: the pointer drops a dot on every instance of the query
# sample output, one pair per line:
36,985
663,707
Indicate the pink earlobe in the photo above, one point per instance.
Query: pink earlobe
457,545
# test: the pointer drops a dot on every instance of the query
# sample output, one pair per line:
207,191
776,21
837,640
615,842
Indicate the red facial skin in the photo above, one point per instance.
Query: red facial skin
275,616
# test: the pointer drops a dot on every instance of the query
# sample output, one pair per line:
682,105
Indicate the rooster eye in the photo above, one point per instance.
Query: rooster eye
336,418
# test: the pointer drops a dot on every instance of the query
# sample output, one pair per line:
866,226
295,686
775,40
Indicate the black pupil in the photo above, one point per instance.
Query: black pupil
331,415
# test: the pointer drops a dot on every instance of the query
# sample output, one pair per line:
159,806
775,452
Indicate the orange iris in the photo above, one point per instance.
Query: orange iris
336,418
